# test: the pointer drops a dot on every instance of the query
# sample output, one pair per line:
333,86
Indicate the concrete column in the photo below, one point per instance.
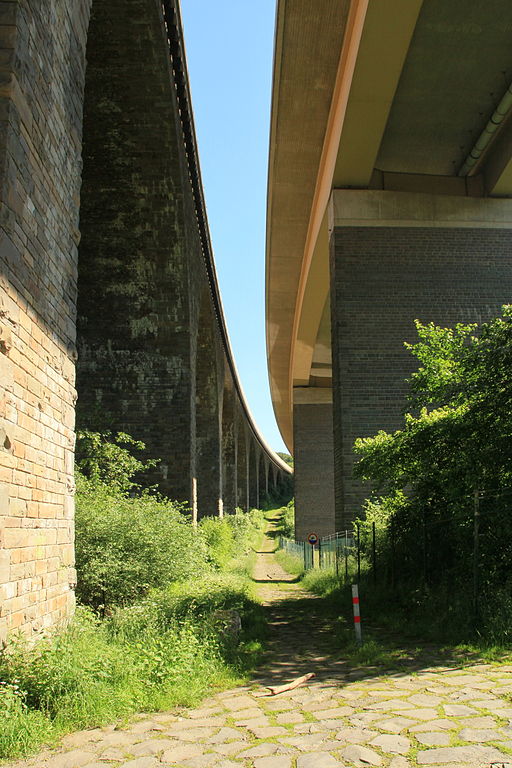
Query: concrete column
396,257
314,467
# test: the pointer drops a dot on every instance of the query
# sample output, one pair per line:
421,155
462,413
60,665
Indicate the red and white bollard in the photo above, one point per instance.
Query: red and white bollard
357,615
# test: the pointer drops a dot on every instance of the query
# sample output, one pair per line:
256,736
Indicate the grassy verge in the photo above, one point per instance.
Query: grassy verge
171,648
397,634
291,563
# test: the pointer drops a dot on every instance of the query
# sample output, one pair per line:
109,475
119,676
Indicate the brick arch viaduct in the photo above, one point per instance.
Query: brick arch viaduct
108,288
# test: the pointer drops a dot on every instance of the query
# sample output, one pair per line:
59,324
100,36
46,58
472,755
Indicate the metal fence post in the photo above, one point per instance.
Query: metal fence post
358,554
392,534
476,532
374,555
424,549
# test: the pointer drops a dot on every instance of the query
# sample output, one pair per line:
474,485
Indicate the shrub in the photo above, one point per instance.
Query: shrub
219,540
125,546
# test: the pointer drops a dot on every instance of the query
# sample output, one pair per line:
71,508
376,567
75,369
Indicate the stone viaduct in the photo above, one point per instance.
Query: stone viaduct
108,288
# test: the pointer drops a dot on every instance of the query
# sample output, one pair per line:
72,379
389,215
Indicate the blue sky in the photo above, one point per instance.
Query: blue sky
229,46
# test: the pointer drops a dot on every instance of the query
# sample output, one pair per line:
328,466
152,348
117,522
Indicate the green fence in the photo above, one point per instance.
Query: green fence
300,549
331,551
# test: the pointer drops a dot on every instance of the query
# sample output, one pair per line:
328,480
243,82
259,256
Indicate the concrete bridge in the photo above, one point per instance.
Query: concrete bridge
390,179
111,265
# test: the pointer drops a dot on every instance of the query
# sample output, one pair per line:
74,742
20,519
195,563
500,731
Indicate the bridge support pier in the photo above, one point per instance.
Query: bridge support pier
313,460
395,257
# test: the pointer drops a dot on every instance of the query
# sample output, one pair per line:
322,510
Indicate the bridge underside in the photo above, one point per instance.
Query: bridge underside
390,179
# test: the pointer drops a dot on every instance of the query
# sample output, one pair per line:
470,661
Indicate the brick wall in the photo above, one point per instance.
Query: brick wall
383,278
43,61
314,468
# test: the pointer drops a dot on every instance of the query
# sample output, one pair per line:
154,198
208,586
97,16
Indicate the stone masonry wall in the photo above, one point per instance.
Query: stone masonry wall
42,74
382,279
137,311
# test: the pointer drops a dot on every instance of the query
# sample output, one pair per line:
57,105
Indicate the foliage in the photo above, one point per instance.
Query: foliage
219,539
108,458
163,590
140,659
286,458
463,443
125,546
425,476
286,520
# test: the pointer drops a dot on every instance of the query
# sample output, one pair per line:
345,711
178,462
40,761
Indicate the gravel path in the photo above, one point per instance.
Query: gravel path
443,716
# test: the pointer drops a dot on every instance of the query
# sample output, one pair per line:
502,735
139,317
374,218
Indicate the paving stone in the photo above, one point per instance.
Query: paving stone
96,765
305,743
458,710
440,724
256,722
433,739
399,745
192,734
365,718
310,728
146,726
249,714
238,702
482,721
182,752
80,738
230,748
355,753
112,753
463,680
490,704
356,735
260,750
318,760
328,714
120,739
389,705
74,759
226,734
504,713
394,724
143,762
276,761
290,717
425,700
269,732
209,722
152,747
227,764
203,712
421,714
279,705
479,735
399,762
473,754
200,762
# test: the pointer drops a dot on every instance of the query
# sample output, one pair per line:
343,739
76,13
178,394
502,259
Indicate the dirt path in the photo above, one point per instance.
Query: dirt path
431,714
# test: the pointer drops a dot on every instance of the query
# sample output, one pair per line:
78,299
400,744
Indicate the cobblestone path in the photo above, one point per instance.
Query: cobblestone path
428,715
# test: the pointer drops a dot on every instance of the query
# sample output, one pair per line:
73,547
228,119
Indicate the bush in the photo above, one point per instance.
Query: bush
219,540
125,546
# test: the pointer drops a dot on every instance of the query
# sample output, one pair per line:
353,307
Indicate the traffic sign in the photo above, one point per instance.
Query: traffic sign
313,538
